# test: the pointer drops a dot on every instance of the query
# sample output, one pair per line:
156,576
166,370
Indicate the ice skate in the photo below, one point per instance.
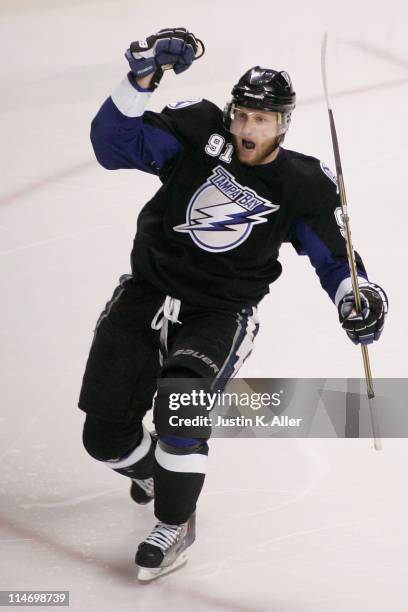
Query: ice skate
164,550
142,491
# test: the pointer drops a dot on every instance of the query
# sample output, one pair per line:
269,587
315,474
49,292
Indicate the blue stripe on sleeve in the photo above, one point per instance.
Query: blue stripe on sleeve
330,271
129,142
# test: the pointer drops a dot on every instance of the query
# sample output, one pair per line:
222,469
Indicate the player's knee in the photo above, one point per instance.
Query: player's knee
106,441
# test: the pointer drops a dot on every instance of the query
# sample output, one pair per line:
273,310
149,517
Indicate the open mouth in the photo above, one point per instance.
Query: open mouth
248,144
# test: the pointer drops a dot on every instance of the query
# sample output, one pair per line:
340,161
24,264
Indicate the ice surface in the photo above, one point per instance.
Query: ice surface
283,525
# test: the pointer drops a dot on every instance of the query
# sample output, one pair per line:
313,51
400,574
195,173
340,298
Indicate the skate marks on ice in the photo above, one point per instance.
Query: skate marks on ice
60,238
355,91
4,541
75,501
257,553
123,572
318,469
46,181
26,430
177,584
382,54
46,543
385,85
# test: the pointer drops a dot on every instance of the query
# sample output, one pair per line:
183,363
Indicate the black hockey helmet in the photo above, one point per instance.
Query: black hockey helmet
265,89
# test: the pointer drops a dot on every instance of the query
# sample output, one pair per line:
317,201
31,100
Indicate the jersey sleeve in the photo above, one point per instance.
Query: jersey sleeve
123,135
189,121
318,233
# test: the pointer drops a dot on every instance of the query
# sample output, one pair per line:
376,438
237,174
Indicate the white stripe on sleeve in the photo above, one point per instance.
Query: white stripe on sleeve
129,100
346,286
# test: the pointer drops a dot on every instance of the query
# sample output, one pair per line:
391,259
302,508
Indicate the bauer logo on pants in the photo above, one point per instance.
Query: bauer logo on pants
221,213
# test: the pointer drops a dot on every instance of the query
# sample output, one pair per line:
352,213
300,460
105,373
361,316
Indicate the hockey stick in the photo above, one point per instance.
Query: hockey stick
350,250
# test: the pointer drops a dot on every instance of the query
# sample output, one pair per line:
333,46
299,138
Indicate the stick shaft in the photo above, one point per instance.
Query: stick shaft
350,249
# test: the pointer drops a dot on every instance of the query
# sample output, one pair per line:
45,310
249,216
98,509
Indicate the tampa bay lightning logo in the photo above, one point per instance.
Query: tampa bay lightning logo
221,214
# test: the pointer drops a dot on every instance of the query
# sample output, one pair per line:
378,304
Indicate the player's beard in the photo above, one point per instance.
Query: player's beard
263,153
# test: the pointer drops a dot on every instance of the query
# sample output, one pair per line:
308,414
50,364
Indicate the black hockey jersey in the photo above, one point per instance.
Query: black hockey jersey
211,234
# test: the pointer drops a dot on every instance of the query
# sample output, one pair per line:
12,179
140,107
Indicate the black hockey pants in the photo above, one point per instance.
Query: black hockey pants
143,337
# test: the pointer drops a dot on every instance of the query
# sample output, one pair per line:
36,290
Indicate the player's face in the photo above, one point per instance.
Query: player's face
255,134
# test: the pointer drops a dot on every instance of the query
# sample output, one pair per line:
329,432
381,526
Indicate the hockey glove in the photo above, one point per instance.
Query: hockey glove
170,48
365,327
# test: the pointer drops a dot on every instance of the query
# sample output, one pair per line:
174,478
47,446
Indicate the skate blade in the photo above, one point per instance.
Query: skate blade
147,574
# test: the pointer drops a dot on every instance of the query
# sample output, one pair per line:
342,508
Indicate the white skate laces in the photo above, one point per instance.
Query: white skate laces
164,550
164,536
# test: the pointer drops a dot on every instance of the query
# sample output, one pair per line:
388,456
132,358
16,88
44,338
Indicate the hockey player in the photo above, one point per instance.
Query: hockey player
205,252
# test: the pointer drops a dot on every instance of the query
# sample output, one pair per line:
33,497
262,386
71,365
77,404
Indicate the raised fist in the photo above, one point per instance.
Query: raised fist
170,48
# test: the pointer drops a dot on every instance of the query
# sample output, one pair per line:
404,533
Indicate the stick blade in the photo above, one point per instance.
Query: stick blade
323,67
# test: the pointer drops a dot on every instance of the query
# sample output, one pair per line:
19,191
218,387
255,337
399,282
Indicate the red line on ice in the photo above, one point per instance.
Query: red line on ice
9,198
125,571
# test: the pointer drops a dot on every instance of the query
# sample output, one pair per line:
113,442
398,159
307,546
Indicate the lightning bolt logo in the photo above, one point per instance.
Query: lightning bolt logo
222,213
